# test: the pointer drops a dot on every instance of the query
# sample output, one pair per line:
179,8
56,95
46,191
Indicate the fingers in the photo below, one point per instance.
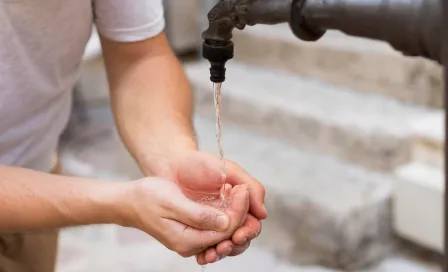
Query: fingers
208,180
200,258
194,241
195,215
239,249
221,251
238,206
237,176
214,254
241,239
250,230
211,256
237,213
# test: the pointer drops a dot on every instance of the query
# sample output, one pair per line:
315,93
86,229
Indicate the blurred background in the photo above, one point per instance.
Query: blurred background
346,135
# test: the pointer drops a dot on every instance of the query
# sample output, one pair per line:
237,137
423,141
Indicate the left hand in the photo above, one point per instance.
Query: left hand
198,175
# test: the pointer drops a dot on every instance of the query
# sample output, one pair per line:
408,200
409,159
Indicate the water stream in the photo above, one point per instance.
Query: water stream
218,133
217,96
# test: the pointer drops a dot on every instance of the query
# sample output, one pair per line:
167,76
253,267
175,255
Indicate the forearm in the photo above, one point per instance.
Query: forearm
152,102
31,200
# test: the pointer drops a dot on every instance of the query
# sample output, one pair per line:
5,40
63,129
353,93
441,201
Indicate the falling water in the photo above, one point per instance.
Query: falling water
222,170
217,95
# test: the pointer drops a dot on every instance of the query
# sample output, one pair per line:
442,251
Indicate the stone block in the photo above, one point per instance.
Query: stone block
418,204
428,140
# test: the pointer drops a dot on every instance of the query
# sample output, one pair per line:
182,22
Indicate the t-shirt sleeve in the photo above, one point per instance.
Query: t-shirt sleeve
129,20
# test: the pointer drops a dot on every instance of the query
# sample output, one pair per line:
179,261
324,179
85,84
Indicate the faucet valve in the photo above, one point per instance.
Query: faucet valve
227,15
217,53
299,25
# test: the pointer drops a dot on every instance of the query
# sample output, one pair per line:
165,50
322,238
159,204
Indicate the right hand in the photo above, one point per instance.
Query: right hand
159,208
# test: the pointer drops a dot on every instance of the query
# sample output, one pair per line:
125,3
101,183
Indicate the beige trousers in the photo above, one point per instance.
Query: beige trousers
29,252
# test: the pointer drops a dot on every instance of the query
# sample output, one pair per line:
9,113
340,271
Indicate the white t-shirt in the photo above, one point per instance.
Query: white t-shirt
41,46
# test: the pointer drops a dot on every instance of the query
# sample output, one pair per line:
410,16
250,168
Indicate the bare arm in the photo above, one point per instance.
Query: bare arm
31,200
151,100
152,103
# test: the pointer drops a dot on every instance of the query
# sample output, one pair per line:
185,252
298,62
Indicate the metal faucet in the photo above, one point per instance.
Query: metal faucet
413,27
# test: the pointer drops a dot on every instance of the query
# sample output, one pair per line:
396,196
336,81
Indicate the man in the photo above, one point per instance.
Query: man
42,46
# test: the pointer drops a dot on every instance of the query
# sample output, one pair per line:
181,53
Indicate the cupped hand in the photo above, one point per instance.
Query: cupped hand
198,175
160,208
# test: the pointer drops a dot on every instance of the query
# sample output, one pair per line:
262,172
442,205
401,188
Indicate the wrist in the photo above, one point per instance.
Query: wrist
110,199
156,159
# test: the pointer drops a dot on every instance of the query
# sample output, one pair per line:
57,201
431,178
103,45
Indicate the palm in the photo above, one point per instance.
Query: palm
198,175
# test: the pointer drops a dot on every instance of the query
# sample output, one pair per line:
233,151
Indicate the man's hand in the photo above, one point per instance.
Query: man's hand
160,208
155,205
198,175
152,104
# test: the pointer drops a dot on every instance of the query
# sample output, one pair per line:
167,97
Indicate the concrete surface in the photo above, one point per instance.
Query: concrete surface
418,204
118,249
362,64
111,248
366,129
337,217
429,139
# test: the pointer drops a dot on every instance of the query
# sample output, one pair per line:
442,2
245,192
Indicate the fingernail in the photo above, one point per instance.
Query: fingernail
228,251
223,222
265,210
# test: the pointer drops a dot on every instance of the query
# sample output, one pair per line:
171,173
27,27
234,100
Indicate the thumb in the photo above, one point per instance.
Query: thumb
237,211
198,216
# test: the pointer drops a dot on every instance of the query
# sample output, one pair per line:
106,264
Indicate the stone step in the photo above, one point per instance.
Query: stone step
418,204
116,249
322,211
112,248
367,129
361,64
429,139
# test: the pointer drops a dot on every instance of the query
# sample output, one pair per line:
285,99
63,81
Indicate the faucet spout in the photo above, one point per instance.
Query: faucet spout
413,27
227,15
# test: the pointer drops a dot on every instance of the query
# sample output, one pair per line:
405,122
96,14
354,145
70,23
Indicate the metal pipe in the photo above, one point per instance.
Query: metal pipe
410,26
413,27
445,64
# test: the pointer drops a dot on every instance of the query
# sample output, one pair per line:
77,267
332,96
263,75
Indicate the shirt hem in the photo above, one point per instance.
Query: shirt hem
134,34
